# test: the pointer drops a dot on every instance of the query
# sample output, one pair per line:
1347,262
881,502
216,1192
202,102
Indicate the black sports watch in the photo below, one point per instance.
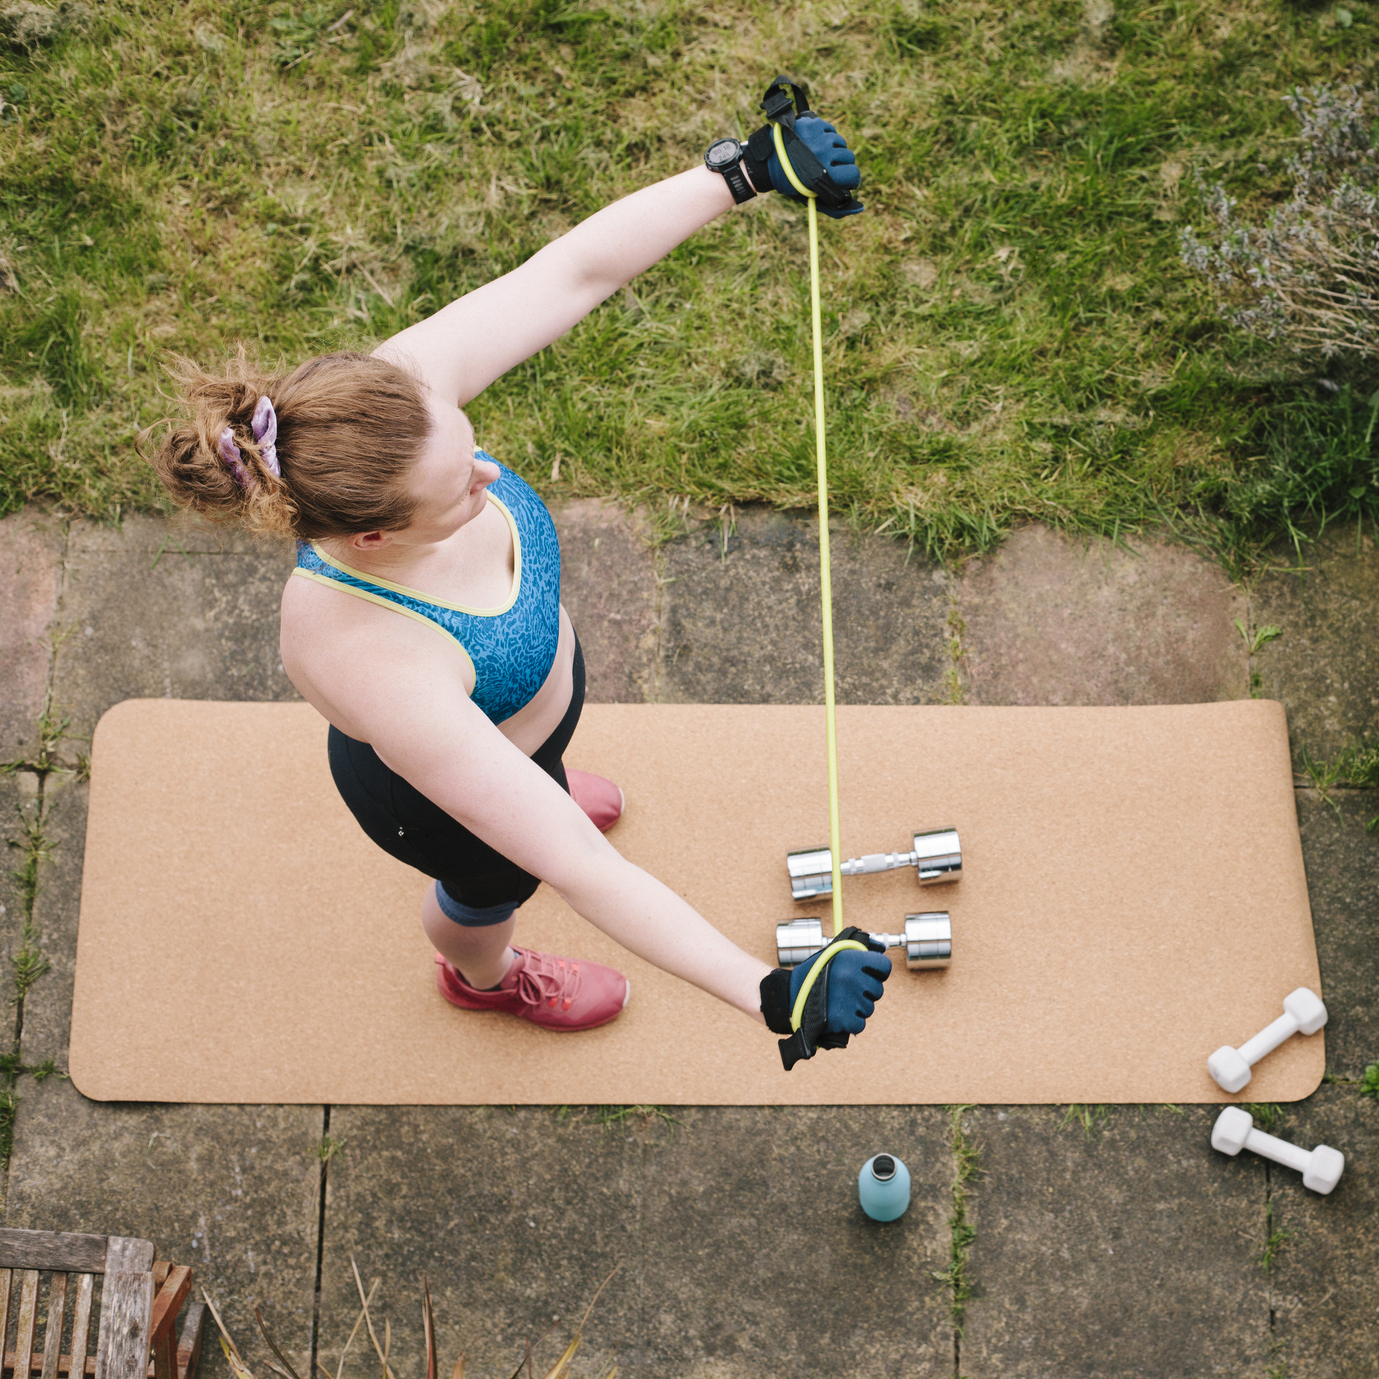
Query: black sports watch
724,156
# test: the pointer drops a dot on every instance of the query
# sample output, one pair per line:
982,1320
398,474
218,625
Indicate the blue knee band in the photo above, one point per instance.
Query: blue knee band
474,916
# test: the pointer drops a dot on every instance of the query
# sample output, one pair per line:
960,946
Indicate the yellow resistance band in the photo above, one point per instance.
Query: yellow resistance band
825,575
797,1010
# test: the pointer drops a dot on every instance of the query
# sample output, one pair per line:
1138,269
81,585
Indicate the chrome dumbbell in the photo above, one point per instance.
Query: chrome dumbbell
927,940
937,856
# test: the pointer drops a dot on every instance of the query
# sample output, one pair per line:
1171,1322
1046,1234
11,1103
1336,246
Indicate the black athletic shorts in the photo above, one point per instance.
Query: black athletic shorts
403,822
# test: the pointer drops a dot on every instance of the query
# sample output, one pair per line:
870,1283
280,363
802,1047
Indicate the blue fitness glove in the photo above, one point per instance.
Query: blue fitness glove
838,160
840,1000
819,155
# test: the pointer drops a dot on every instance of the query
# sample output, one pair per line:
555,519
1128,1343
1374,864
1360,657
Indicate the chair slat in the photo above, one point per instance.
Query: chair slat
6,1279
52,1335
69,1252
189,1344
128,1252
28,1323
123,1253
64,1362
166,1306
126,1310
81,1325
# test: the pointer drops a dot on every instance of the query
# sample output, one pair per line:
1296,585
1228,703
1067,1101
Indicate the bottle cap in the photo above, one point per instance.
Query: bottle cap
883,1168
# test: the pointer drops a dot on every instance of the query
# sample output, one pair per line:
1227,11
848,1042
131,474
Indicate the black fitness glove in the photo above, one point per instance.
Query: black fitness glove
819,155
851,971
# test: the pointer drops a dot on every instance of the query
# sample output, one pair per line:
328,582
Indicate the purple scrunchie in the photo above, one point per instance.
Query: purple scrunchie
264,426
229,453
265,429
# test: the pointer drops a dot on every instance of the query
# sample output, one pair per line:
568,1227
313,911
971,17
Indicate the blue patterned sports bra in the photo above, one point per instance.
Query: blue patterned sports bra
510,649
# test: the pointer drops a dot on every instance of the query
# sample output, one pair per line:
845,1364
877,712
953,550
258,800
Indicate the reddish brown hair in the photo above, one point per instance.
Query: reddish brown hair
350,427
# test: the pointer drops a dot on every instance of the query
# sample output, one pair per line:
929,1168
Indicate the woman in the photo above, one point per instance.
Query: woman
447,748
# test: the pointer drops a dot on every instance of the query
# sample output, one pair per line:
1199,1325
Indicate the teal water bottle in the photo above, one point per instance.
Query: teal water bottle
883,1187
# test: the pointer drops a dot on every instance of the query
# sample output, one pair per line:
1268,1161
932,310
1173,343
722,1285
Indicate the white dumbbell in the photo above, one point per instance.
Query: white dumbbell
1303,1013
1321,1169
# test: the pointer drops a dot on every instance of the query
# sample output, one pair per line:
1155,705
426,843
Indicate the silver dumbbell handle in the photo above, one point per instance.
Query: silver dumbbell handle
927,940
878,861
936,857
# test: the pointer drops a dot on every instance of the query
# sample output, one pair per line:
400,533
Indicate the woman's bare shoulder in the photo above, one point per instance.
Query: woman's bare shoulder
315,617
346,655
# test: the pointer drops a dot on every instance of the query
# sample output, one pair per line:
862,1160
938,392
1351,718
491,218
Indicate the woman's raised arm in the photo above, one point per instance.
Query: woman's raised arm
480,336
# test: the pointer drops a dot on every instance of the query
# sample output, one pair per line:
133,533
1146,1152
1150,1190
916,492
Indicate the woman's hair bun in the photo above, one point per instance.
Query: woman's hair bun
349,427
225,477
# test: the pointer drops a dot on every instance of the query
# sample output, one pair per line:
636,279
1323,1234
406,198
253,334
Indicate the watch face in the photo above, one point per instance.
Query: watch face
722,152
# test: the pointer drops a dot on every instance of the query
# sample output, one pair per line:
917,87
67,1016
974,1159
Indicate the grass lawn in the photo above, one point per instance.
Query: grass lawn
1010,333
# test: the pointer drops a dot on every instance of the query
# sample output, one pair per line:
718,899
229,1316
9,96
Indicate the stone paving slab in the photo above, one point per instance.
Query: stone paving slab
610,589
758,1260
515,1216
1053,619
158,610
231,1190
743,627
1342,861
742,1249
1132,1251
1325,665
31,549
1324,1289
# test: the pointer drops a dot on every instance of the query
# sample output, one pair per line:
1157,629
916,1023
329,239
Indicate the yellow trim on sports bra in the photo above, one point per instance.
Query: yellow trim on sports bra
431,598
396,608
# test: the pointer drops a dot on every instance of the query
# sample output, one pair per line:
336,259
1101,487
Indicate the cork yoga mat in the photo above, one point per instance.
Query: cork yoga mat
1133,897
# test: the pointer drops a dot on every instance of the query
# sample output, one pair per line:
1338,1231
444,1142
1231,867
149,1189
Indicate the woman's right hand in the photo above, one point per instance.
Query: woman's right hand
831,149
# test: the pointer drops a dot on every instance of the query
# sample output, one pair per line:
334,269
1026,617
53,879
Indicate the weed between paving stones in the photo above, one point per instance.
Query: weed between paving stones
27,962
1092,1119
957,1279
1268,1115
608,1116
1255,638
1010,332
1355,767
1274,1241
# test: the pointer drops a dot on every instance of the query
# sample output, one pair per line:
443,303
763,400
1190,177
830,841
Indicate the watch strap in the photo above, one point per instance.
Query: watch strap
738,184
731,172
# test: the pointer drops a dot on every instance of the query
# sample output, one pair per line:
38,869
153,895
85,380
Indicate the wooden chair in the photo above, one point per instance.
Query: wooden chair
139,1303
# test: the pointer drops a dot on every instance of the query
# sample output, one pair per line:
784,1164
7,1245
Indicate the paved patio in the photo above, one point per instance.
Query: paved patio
1125,1248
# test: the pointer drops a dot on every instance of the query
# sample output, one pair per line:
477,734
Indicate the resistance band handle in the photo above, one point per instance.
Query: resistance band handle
784,102
808,1019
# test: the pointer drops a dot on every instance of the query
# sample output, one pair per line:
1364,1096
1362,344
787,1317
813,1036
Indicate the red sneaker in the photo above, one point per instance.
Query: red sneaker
555,993
600,799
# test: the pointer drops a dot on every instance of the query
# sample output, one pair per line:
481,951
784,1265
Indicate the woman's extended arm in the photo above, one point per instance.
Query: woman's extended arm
424,727
479,337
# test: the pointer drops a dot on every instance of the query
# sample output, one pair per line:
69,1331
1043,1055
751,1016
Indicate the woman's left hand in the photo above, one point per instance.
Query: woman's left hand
840,1002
